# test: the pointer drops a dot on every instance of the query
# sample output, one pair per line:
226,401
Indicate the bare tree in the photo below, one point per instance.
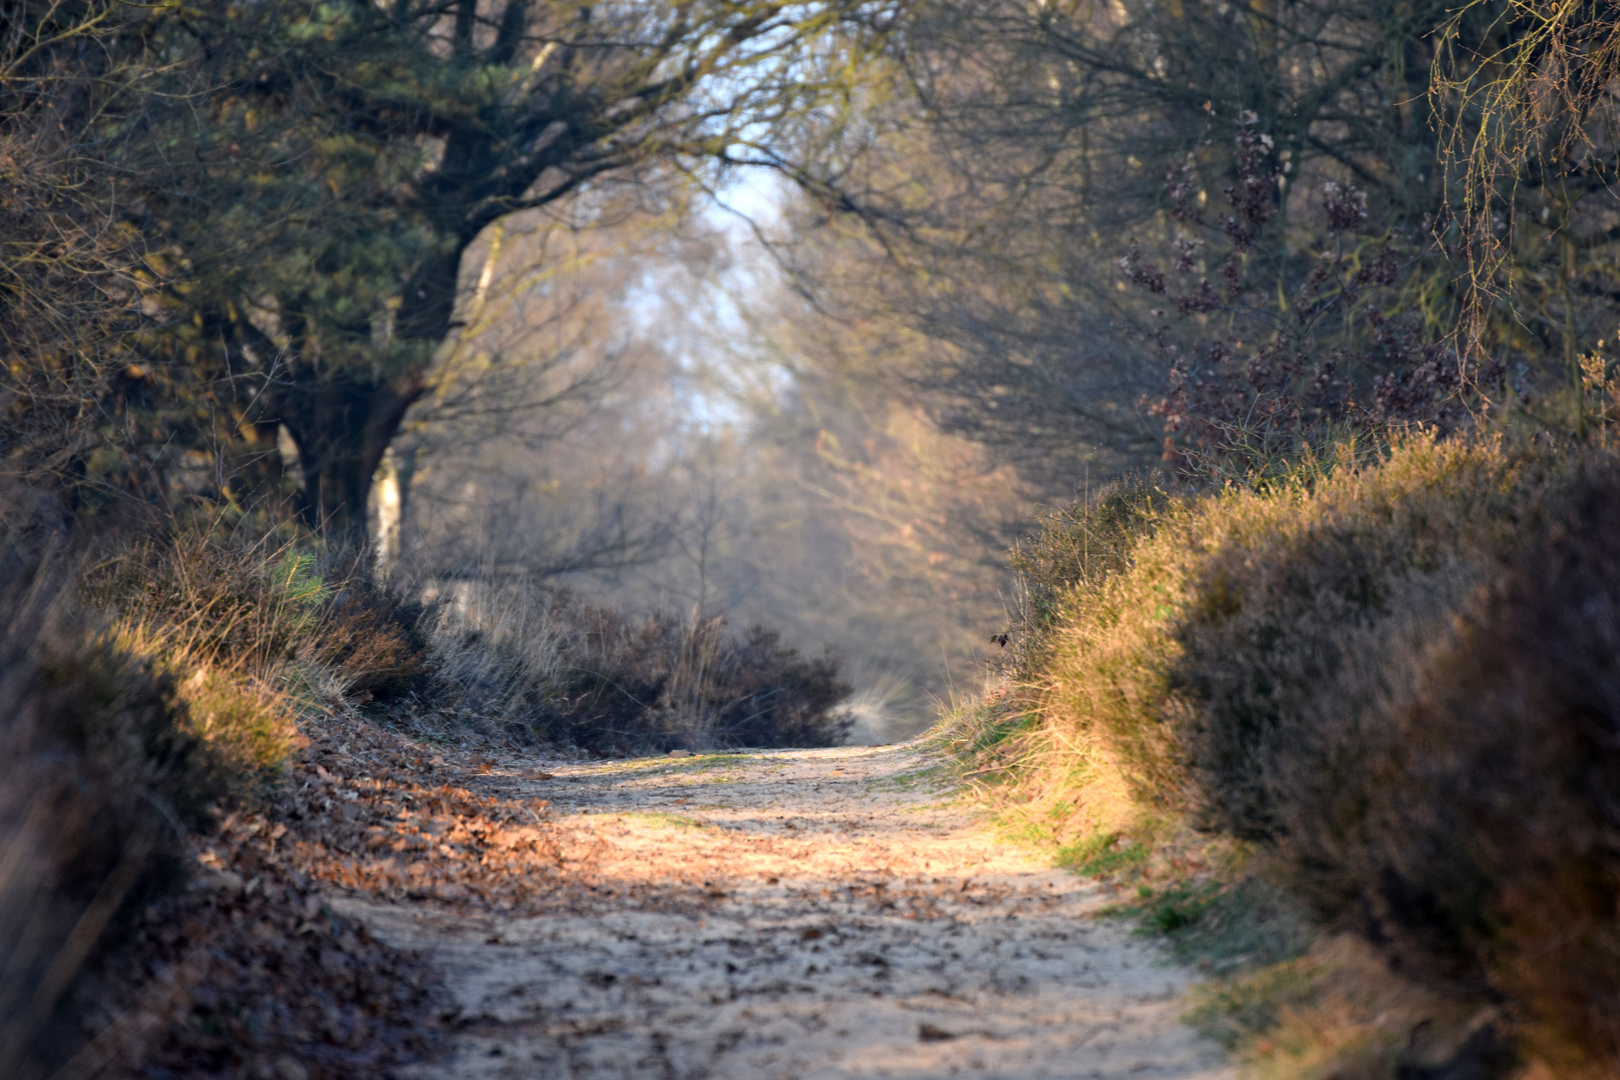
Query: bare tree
1022,148
72,274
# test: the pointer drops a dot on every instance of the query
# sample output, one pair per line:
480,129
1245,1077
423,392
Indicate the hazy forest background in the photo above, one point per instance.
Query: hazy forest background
804,335
1139,384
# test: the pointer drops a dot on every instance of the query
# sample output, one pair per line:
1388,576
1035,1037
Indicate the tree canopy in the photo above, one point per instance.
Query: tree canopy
304,181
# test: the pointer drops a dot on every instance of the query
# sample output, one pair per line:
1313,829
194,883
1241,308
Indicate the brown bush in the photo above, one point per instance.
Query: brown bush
101,780
1290,622
253,604
1487,848
375,640
1400,679
658,683
541,663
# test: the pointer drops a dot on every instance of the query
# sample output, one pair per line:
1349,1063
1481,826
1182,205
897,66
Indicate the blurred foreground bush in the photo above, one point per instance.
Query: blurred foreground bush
1394,680
103,776
1479,840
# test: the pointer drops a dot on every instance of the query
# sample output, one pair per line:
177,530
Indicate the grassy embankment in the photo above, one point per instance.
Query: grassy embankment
1350,740
205,729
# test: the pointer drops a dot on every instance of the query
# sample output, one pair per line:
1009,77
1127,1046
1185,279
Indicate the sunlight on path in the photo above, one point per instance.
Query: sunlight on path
798,914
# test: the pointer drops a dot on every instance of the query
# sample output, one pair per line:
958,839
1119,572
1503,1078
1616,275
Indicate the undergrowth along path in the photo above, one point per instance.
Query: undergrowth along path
804,914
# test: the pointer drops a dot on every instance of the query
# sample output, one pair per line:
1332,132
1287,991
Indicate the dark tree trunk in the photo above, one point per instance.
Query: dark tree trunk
343,416
346,420
429,297
343,423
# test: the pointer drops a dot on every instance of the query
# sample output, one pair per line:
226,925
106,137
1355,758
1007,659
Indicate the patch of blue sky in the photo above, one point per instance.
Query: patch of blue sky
719,358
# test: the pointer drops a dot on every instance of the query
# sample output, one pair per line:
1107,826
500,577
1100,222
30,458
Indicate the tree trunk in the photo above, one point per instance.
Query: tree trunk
343,423
344,416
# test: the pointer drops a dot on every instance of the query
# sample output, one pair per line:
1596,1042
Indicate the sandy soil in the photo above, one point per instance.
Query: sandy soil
798,914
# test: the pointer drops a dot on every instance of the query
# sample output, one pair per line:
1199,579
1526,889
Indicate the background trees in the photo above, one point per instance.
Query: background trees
267,250
311,178
1025,149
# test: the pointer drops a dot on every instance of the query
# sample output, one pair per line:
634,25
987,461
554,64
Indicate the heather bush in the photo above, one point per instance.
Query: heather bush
375,640
1184,672
755,691
1477,840
236,622
103,777
543,664
1293,606
215,592
1392,681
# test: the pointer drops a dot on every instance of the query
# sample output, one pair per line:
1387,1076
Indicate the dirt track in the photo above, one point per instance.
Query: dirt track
795,914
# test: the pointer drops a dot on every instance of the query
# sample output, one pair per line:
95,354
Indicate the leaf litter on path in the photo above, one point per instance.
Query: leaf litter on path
798,914
400,909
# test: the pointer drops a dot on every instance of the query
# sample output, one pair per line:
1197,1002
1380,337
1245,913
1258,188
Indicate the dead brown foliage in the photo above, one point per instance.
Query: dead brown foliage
257,977
1489,853
373,812
545,664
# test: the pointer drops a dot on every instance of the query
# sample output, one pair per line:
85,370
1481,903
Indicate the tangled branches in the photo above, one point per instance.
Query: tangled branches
1283,357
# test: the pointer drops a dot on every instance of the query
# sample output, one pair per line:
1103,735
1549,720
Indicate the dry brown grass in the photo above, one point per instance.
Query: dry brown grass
141,693
542,664
1387,684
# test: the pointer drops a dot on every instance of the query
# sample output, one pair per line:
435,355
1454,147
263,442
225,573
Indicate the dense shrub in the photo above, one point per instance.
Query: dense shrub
258,623
662,682
1399,680
374,639
1478,842
235,621
102,778
545,664
254,625
1300,594
1187,670
768,694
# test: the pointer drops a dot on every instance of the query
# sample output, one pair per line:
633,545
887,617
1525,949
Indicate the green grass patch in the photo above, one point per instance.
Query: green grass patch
1217,926
1101,853
720,760
924,808
1238,1011
669,765
932,776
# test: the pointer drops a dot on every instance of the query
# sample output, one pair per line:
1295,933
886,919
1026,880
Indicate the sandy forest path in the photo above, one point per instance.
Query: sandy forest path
801,914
